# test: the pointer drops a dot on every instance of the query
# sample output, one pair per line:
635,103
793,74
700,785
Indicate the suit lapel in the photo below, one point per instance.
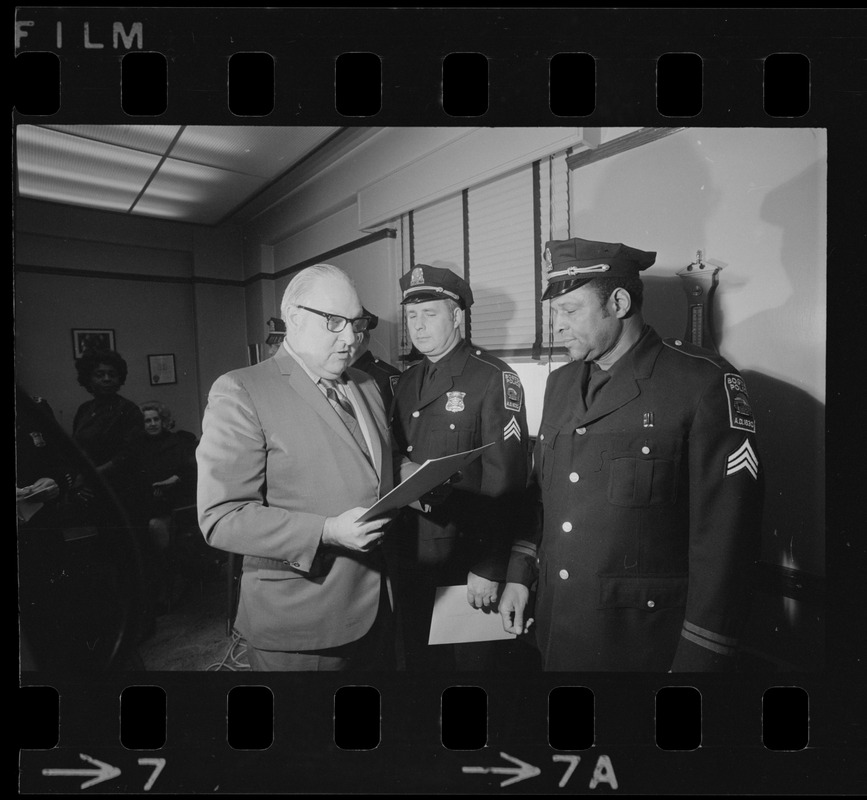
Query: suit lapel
302,383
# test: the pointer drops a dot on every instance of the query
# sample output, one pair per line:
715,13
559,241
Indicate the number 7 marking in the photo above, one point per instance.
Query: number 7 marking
159,763
573,762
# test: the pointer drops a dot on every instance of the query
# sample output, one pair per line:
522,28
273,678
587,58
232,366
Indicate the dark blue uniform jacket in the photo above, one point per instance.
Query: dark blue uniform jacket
649,513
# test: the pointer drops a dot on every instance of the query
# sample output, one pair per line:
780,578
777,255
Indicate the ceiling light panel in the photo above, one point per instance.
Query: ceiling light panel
53,165
195,193
149,138
266,151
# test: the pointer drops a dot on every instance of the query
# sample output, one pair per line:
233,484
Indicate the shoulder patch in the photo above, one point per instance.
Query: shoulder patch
740,411
513,392
694,351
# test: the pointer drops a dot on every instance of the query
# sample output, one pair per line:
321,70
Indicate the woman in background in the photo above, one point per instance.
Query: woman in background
108,427
166,464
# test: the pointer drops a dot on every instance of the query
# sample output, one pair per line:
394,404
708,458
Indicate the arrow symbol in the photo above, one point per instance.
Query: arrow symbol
519,773
103,773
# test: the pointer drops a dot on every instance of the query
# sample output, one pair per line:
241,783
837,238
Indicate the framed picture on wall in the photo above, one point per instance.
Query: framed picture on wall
161,369
91,339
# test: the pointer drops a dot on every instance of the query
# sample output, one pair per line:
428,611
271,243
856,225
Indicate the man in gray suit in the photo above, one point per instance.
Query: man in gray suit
293,450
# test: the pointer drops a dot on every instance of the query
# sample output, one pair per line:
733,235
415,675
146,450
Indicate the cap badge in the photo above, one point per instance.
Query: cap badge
417,277
455,401
548,259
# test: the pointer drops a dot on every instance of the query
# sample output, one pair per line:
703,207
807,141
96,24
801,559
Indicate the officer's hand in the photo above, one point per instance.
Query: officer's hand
343,531
512,604
481,593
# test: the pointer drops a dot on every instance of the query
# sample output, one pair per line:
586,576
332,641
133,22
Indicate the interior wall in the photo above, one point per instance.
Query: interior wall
754,199
78,268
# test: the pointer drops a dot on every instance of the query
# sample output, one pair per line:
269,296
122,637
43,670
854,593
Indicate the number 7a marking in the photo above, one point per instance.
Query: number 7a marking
158,764
574,761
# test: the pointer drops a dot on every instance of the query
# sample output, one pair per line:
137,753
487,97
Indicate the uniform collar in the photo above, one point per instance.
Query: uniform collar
633,329
452,363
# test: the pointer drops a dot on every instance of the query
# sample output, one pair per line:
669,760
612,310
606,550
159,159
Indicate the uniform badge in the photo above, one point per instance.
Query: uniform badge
417,276
512,429
513,392
740,411
455,401
393,379
743,458
38,441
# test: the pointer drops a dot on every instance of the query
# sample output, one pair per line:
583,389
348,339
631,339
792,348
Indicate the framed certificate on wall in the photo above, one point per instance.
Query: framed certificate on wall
161,369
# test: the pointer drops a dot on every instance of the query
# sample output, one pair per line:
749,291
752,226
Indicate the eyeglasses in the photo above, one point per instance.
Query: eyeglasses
335,323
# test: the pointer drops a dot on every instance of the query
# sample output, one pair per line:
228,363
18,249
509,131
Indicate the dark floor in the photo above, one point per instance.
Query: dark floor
192,636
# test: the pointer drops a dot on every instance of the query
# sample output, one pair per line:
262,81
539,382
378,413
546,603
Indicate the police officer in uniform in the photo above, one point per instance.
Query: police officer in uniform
649,480
456,398
381,371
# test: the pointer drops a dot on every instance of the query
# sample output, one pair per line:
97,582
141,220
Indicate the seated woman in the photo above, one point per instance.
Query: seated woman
166,464
167,460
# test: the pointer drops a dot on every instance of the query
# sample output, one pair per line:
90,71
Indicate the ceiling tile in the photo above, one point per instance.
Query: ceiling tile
149,138
195,193
66,169
265,151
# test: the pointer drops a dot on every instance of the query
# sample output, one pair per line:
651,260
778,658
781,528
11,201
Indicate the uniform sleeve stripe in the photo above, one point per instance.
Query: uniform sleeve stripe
714,637
524,548
716,648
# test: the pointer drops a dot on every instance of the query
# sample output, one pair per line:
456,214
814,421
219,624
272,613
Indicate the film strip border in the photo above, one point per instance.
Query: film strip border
379,66
327,735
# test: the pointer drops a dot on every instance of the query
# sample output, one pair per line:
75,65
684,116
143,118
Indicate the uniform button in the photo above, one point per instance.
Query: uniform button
651,604
678,342
295,564
478,352
564,574
580,431
645,450
452,426
542,437
566,526
409,449
573,477
415,413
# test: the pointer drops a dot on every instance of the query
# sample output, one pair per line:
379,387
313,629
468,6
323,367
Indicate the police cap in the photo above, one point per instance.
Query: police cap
423,283
574,262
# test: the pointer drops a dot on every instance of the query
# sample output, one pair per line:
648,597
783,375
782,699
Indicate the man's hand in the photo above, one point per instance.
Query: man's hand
343,531
481,593
512,605
49,488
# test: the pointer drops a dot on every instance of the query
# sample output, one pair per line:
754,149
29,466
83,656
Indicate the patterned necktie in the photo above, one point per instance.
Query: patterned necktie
346,412
598,378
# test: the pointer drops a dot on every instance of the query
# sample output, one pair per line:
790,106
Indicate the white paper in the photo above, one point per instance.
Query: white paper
429,475
454,620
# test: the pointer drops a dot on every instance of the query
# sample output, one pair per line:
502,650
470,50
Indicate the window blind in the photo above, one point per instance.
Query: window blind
502,254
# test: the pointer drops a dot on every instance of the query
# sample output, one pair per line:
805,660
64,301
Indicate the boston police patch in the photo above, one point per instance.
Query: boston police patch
740,410
513,392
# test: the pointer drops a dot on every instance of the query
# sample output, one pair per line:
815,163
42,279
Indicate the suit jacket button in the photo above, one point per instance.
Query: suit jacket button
580,431
651,604
566,526
564,574
574,477
415,413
